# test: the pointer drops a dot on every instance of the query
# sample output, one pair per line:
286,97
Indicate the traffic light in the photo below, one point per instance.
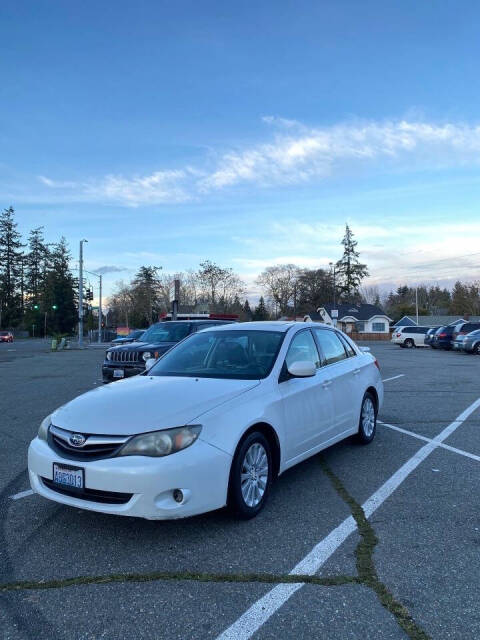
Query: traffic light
36,307
54,307
89,294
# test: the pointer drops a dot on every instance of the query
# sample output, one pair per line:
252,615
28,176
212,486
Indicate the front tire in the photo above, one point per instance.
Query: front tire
476,349
250,476
367,426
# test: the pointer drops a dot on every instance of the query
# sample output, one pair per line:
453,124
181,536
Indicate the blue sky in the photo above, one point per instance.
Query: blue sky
247,133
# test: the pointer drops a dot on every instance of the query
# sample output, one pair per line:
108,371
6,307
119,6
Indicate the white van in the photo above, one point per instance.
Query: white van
409,336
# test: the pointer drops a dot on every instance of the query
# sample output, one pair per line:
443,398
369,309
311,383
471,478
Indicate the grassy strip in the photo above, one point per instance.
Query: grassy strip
367,573
262,578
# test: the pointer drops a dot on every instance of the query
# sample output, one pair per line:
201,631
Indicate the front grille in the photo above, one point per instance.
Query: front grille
93,495
95,447
125,356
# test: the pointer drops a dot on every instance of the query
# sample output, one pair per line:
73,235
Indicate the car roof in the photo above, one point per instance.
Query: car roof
281,326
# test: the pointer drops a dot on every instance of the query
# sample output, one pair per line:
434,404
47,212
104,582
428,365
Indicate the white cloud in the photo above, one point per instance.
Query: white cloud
296,154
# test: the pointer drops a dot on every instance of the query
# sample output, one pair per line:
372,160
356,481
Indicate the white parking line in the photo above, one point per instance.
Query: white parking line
400,375
22,494
472,456
264,608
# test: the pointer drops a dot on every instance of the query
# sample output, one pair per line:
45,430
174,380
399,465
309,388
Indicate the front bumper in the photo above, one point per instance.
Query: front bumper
128,370
201,472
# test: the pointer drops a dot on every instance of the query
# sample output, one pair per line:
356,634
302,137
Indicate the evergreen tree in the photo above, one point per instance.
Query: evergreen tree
36,263
261,312
11,258
58,301
247,312
350,271
146,288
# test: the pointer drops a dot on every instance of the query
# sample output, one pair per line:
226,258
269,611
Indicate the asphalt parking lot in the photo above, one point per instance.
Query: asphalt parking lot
380,541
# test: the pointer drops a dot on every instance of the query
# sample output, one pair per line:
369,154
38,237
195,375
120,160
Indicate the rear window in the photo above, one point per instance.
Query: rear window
470,326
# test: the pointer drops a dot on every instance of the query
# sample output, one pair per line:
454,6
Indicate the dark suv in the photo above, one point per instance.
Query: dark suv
444,337
129,360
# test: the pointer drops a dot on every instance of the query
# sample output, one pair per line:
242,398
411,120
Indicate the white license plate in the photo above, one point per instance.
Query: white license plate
118,373
68,476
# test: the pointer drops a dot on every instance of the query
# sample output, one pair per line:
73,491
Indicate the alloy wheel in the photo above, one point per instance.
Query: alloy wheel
254,474
368,417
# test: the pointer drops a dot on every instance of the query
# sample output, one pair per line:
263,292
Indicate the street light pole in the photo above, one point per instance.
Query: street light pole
416,303
80,295
100,311
333,266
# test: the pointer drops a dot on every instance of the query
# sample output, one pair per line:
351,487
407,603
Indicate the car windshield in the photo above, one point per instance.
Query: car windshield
167,332
135,334
241,355
3,333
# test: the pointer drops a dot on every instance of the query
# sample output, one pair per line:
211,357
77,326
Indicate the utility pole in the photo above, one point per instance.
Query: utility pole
416,303
100,311
333,267
176,299
80,295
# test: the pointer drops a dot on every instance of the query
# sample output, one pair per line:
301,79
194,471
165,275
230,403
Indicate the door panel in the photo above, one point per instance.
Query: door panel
307,402
345,373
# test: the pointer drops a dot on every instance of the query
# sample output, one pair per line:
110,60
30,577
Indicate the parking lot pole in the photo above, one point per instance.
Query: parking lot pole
100,311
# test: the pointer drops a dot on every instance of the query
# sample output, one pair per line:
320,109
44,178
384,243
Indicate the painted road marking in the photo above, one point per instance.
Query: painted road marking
263,609
472,456
394,377
22,494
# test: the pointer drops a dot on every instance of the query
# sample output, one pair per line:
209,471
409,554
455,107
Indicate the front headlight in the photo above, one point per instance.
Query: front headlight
43,431
146,355
161,443
109,355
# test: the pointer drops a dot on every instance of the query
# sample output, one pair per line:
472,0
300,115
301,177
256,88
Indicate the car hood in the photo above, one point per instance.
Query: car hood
143,346
146,403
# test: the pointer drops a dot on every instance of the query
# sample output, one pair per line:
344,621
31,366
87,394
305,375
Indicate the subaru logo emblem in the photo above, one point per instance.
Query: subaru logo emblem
77,440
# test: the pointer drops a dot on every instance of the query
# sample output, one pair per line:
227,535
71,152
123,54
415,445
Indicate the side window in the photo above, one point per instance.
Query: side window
348,347
303,347
332,348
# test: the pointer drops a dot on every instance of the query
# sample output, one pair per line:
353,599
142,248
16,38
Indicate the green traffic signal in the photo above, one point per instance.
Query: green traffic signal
54,307
35,306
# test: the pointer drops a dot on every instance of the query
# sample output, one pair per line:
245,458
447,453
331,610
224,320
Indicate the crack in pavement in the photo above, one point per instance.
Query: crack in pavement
265,578
367,573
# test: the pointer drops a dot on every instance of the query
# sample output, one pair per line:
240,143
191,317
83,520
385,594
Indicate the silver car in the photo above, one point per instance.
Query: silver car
471,342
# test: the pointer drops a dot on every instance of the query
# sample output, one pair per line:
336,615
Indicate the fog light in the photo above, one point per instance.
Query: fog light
178,495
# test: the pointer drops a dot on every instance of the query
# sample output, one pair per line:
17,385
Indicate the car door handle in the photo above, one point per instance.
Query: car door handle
356,371
326,384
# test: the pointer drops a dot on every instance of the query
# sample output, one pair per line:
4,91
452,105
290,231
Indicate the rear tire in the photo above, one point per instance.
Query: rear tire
250,476
367,426
476,349
409,343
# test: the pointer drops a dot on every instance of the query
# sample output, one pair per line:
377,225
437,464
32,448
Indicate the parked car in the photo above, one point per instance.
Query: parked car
213,422
443,338
129,360
429,336
132,337
471,342
461,333
409,336
6,336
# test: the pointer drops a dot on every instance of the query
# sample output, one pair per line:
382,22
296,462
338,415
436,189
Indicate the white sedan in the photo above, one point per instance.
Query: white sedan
212,423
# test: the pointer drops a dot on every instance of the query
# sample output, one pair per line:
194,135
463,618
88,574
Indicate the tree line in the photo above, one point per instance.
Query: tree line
36,284
462,300
288,290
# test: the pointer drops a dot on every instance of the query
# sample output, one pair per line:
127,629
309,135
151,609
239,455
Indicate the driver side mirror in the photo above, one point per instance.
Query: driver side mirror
302,369
149,364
